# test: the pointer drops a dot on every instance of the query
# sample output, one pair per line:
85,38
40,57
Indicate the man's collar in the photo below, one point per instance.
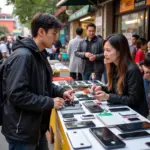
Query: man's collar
93,39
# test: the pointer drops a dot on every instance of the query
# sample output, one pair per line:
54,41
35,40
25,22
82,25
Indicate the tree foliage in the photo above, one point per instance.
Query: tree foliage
25,9
3,30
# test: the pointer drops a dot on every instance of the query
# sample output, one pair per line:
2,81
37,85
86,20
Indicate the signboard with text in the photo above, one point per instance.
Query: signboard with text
139,3
126,5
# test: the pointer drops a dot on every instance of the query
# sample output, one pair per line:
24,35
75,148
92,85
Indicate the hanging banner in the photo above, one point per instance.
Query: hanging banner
148,2
126,5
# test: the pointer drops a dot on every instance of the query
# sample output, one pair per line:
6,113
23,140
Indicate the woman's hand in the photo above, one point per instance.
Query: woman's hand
101,95
98,93
95,88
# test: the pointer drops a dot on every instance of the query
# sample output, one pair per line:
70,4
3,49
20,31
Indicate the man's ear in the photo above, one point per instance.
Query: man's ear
41,32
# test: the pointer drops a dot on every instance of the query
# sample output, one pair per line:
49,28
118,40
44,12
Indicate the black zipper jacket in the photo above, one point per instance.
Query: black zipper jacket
133,91
28,91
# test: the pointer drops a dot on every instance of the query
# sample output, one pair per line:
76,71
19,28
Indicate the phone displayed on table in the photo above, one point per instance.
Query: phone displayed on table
93,107
114,105
133,119
87,116
69,119
78,140
79,124
119,109
107,138
133,126
127,113
131,135
148,144
67,115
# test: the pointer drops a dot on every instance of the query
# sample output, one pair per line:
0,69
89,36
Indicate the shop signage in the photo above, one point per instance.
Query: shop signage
139,3
83,11
99,21
148,2
126,5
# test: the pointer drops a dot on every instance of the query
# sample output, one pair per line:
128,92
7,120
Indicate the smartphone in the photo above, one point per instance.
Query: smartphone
78,140
148,144
133,119
114,105
128,113
67,115
107,138
132,135
129,127
119,109
87,116
93,107
79,124
69,119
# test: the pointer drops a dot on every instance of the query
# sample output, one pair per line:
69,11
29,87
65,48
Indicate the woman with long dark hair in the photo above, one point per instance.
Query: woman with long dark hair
125,83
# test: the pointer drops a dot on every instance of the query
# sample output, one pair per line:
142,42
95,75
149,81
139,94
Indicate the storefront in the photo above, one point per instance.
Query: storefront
81,18
133,18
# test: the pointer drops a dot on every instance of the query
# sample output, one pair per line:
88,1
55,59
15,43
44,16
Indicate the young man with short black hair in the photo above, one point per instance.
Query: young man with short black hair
29,92
90,49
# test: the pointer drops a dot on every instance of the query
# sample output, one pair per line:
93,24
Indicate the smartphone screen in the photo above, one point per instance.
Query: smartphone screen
107,138
148,144
68,115
93,107
89,115
69,119
119,109
79,124
133,119
134,126
134,135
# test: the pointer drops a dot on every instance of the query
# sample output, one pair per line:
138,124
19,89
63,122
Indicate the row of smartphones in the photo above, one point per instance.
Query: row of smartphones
104,136
129,127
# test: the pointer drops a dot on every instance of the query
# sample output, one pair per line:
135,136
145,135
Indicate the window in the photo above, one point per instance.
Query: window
133,24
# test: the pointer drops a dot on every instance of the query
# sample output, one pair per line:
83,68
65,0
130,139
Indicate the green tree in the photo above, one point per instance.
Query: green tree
25,9
3,30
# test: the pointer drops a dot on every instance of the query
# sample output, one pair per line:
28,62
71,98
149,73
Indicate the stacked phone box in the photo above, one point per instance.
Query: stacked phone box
89,113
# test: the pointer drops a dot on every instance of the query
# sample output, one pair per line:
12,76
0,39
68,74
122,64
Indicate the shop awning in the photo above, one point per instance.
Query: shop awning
82,12
76,2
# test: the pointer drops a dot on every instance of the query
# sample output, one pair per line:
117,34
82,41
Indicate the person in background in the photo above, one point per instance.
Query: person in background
3,48
148,46
51,52
28,90
125,82
133,46
140,54
90,50
145,67
75,62
57,45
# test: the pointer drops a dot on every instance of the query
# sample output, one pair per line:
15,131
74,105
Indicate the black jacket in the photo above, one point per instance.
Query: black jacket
28,90
97,49
133,91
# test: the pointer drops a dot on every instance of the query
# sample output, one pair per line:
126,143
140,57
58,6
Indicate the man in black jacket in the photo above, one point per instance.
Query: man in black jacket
90,50
28,89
